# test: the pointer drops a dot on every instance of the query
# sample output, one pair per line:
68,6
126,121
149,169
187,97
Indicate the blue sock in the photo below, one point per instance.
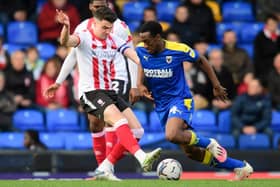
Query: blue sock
229,164
199,141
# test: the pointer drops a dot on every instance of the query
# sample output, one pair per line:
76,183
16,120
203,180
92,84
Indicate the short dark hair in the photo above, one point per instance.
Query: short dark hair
105,13
271,16
153,27
151,8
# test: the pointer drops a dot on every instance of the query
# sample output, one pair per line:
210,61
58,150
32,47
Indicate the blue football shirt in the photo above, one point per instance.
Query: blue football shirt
165,73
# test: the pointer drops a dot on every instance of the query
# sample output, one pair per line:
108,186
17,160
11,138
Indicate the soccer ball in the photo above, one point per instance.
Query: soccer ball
169,169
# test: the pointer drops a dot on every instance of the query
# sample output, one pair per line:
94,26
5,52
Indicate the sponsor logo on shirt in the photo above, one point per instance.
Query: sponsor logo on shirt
158,73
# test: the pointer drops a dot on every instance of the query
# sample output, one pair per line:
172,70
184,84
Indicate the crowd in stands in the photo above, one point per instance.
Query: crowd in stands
252,78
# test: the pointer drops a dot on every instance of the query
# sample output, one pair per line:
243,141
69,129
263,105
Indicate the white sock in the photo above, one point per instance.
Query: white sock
140,155
106,165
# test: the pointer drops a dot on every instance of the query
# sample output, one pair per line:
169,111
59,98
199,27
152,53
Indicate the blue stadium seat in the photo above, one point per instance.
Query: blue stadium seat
1,30
11,140
10,48
275,122
28,119
224,122
152,140
77,141
222,27
212,47
133,11
226,140
133,25
83,121
249,32
204,120
249,48
52,140
257,141
39,5
276,140
46,50
62,120
24,33
142,117
237,11
166,11
155,125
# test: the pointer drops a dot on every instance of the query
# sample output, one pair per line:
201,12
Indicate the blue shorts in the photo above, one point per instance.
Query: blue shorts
179,108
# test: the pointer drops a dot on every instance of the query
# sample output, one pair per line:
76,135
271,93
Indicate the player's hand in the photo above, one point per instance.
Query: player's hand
62,18
50,91
145,92
134,95
220,93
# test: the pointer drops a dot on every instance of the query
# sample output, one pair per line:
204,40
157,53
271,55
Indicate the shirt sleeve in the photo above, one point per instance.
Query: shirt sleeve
67,66
133,69
189,54
120,43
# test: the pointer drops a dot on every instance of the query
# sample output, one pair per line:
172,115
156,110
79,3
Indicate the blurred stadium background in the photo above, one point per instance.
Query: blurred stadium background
64,129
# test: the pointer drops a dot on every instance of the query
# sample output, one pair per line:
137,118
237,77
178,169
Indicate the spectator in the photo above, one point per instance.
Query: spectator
7,106
236,59
4,56
243,86
266,46
225,78
182,27
201,45
274,83
33,63
201,20
172,35
48,77
47,20
61,52
19,81
264,7
32,141
251,112
150,14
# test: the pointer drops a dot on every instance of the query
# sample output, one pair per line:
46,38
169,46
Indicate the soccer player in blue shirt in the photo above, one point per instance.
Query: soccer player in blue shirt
162,66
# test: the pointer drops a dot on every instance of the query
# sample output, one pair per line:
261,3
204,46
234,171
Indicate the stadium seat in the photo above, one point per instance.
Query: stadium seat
77,141
152,140
46,50
11,140
222,27
133,11
249,48
237,11
276,141
249,32
166,11
155,125
83,121
28,119
224,122
204,120
142,117
24,33
52,140
10,48
257,141
133,25
226,140
62,120
275,122
39,5
213,46
1,30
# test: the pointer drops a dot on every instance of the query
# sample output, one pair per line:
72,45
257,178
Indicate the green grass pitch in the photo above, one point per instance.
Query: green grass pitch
141,183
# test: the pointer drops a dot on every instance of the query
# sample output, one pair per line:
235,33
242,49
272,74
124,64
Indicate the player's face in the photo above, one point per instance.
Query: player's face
152,44
97,4
102,28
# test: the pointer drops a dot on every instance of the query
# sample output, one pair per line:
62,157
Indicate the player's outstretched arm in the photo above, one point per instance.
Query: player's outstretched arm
132,55
65,37
218,90
140,84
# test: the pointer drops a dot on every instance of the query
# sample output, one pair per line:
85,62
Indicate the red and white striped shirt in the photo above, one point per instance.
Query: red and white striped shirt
95,60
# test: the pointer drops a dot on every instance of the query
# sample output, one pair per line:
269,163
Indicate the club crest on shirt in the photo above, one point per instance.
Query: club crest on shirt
168,59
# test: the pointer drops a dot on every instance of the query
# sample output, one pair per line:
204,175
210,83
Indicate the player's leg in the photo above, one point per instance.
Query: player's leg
242,169
98,138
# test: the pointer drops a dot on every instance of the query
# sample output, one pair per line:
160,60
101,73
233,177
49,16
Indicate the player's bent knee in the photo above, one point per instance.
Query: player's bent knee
96,125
